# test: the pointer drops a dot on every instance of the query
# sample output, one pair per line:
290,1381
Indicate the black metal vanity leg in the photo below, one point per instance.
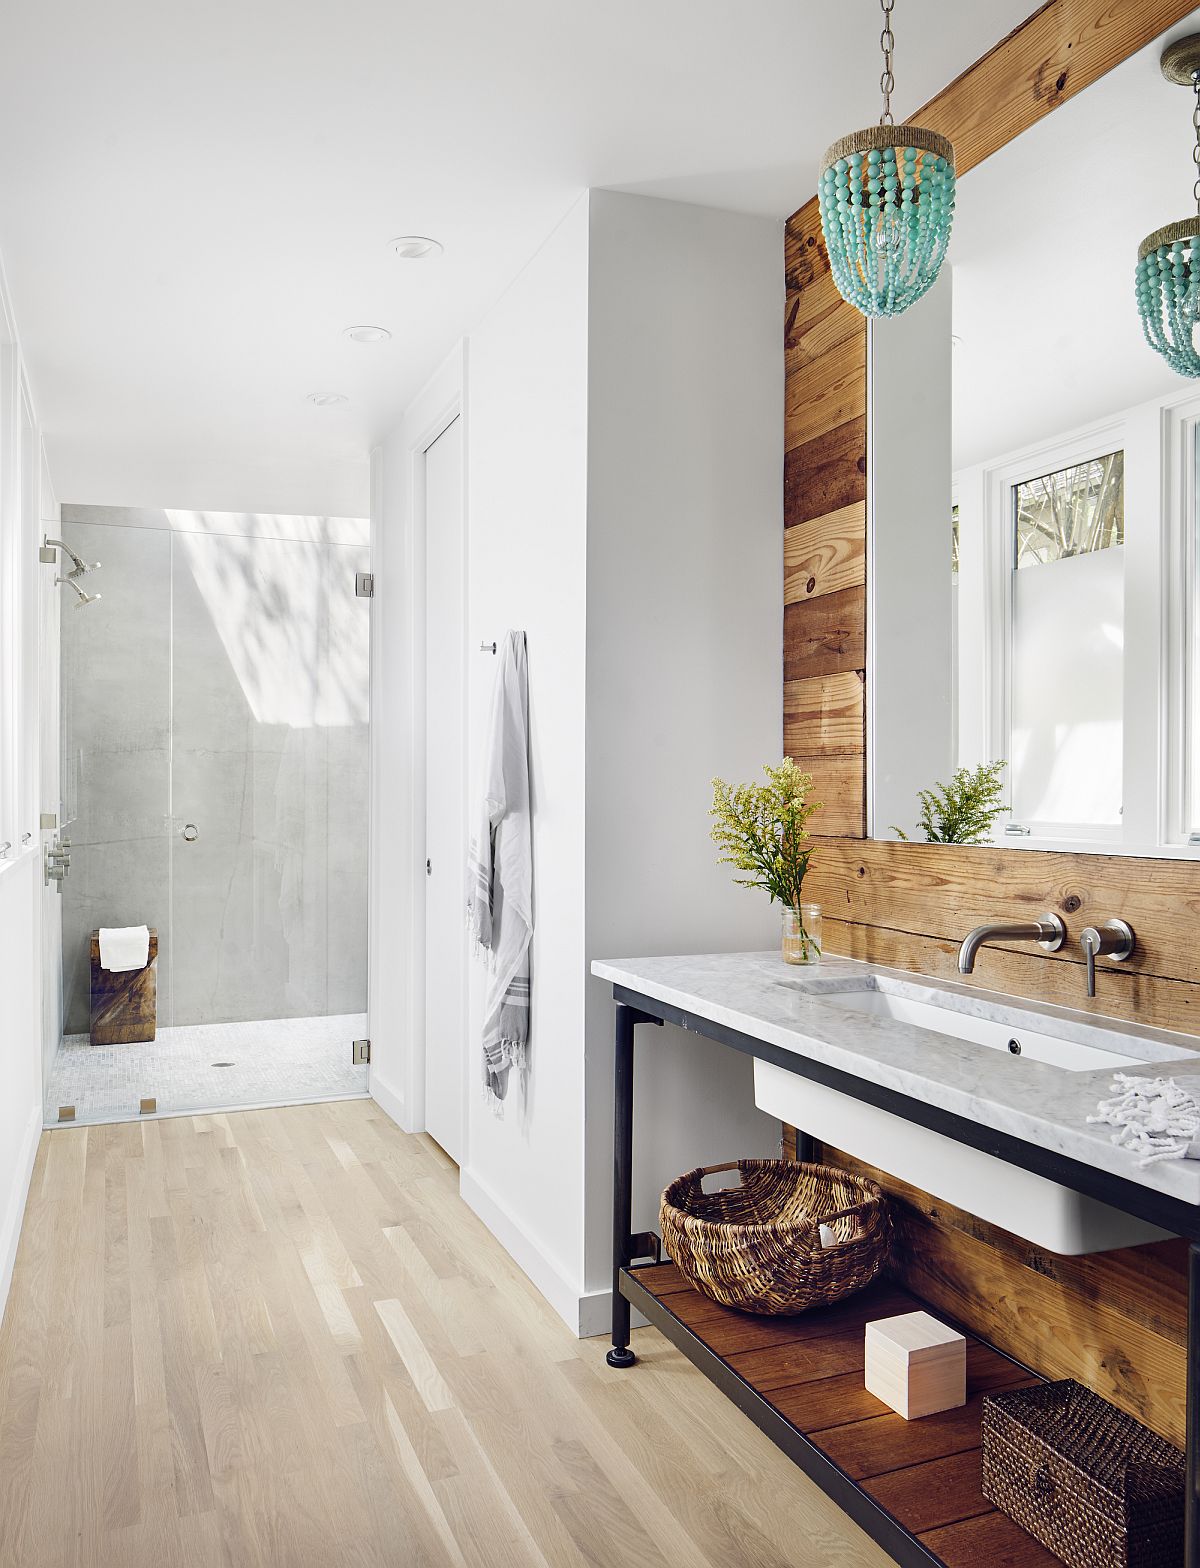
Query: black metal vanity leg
620,1355
806,1147
1191,1551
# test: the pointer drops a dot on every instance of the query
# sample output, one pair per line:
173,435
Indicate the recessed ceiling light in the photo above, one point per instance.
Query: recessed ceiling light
324,399
367,334
415,247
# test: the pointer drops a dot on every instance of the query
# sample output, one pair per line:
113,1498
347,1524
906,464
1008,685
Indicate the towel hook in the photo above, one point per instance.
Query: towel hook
487,647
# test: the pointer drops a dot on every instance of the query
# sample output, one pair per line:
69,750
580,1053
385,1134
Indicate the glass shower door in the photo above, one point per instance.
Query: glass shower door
270,685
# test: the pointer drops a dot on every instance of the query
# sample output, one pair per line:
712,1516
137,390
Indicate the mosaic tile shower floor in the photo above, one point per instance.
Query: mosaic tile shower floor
196,1067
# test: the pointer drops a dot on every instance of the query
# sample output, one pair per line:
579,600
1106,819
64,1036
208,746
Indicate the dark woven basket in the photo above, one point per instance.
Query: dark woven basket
757,1247
1094,1486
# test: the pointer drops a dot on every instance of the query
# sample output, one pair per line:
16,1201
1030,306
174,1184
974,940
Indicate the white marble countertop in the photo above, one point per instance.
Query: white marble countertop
761,996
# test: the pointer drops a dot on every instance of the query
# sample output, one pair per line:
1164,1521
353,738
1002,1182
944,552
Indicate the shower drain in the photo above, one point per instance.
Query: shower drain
224,1064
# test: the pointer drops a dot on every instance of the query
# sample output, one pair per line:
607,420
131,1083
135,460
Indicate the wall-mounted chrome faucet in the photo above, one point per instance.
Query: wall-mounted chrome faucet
1114,939
1049,932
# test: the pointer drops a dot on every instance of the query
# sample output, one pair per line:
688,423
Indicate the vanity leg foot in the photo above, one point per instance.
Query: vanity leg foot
1191,1552
624,1357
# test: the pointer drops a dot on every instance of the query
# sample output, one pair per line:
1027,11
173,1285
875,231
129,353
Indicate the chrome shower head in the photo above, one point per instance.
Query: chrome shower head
79,566
83,598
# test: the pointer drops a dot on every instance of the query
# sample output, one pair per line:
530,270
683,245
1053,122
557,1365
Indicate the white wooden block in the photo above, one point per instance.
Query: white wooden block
916,1365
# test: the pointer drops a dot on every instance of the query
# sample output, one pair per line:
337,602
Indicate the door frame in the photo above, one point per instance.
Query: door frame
396,1002
433,433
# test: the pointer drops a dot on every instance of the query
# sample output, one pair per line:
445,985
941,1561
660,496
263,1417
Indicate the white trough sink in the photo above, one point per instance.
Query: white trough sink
1043,1212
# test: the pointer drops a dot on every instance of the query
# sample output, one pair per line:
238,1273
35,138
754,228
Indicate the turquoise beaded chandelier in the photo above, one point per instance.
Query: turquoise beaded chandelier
1168,265
887,201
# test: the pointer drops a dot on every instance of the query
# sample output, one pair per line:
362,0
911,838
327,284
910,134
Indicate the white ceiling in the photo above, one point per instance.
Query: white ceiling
195,200
1046,234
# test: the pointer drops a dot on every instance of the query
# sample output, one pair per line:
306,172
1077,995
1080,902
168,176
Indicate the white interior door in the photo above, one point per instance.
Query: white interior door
445,793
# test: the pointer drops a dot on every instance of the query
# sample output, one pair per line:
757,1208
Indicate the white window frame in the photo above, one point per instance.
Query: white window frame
1181,604
1138,831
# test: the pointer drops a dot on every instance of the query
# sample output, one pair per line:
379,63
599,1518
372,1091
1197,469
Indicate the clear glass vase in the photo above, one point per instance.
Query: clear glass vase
802,934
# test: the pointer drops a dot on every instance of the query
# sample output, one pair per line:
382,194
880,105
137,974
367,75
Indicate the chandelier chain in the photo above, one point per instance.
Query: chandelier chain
1196,144
887,82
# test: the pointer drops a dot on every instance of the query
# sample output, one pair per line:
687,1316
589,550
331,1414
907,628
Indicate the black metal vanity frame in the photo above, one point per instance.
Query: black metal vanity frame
1171,1214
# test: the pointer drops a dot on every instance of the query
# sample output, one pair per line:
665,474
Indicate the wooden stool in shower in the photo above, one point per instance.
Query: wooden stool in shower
125,1003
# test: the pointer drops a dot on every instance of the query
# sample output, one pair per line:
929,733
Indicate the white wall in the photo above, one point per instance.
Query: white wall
28,664
527,408
684,672
624,423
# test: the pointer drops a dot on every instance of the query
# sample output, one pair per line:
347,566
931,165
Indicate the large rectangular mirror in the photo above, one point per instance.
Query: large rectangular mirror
1033,590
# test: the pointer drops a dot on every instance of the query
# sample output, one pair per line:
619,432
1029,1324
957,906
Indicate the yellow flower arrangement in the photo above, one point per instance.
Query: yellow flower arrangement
762,829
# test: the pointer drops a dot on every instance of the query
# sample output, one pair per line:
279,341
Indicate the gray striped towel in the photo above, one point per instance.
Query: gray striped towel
500,873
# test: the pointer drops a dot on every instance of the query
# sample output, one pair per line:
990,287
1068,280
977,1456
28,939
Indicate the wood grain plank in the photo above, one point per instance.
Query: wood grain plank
824,716
838,784
882,1443
931,1495
942,890
825,554
826,474
834,1401
992,1539
733,1334
810,292
825,636
824,393
1062,48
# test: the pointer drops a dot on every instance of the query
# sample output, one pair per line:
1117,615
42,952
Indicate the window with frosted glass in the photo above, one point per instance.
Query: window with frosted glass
1068,645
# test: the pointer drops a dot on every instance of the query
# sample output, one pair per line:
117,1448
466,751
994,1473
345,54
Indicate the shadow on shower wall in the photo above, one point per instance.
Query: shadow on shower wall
221,684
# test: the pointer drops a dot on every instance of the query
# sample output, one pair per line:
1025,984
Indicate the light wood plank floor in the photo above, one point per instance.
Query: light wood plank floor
279,1338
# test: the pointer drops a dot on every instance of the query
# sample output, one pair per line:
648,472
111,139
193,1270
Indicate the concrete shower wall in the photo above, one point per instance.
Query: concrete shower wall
221,681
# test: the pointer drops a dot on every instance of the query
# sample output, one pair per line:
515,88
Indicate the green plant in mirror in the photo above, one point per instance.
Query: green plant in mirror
762,830
963,811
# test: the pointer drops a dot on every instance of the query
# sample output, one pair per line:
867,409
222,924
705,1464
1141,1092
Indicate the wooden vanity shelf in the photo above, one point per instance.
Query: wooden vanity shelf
914,1486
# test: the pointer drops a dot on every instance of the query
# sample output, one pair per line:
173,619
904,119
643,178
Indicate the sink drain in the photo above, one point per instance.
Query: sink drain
1015,1047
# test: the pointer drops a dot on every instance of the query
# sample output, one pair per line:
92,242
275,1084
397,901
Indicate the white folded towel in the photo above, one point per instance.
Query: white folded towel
1158,1118
124,947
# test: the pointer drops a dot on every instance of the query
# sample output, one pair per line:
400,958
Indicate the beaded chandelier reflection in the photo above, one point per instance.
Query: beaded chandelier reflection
887,202
1168,266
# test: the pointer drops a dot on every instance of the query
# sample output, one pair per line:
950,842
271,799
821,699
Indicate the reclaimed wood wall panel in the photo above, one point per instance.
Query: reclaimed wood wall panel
821,394
825,554
826,636
824,716
909,906
941,890
826,474
835,785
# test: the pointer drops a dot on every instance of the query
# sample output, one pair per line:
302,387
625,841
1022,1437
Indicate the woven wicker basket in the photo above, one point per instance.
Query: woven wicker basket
757,1247
1094,1486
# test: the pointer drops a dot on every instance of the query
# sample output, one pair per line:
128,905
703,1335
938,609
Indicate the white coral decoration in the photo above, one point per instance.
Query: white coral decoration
1153,1116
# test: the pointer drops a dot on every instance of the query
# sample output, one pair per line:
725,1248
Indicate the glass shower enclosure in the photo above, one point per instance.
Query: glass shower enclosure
214,776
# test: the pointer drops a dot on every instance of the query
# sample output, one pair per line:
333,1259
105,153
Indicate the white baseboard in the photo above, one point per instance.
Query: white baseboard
563,1296
14,1213
389,1100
